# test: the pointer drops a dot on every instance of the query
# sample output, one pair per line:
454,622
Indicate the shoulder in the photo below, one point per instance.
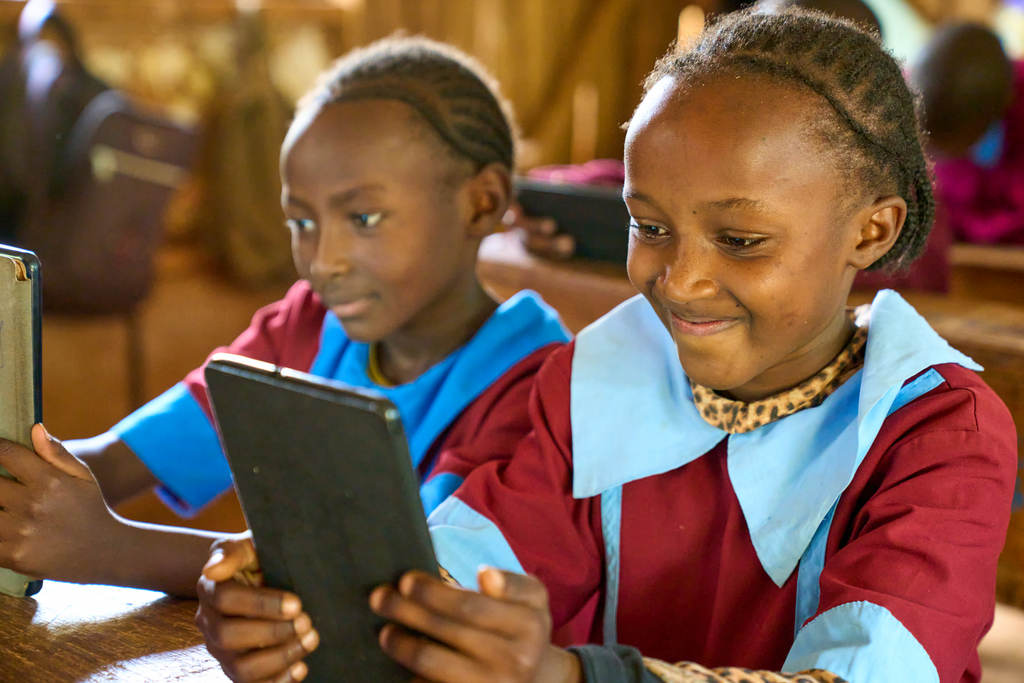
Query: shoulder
961,422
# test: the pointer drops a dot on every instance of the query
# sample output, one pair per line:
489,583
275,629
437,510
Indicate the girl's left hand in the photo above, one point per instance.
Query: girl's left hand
449,635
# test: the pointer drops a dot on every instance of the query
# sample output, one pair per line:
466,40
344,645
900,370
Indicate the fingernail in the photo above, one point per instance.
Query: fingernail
377,598
494,577
215,558
310,640
290,606
564,244
303,624
46,432
548,227
298,671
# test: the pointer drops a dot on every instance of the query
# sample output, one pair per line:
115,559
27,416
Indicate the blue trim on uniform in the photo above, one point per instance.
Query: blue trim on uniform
611,526
173,437
864,643
432,402
633,417
435,489
808,586
464,540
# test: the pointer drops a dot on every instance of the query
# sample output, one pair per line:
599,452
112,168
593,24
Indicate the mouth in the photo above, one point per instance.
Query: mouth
351,308
700,326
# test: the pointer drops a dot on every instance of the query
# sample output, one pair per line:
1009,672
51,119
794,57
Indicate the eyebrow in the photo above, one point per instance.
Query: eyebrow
729,204
341,198
738,204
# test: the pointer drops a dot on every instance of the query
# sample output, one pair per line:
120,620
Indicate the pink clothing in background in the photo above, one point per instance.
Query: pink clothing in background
986,205
930,272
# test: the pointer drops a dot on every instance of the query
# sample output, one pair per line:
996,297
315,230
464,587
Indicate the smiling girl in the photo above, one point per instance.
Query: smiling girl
731,471
397,165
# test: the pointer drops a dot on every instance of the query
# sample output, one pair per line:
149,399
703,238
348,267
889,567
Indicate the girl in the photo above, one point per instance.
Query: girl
731,470
396,166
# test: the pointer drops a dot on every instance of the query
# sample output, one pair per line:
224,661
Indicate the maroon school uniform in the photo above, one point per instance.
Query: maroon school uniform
661,556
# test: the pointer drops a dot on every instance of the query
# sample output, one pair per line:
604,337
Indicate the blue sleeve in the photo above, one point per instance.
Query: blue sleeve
172,436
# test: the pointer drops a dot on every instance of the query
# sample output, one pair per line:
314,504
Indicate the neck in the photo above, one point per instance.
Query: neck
435,333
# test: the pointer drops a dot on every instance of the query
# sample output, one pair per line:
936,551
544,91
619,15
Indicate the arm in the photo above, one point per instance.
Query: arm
56,525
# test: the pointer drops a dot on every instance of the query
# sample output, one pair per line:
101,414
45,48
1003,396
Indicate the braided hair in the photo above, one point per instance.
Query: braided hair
870,122
449,89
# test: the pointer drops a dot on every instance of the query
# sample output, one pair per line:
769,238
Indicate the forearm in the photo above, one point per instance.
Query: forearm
621,664
161,558
119,472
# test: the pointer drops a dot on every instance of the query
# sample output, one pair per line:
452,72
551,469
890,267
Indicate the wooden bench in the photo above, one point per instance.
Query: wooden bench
995,273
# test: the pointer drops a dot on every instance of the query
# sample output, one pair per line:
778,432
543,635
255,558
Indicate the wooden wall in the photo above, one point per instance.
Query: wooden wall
176,53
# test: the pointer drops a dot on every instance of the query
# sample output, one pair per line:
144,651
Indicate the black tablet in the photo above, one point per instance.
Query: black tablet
595,216
326,483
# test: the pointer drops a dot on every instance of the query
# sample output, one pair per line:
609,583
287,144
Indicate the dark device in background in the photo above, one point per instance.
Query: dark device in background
595,216
21,375
324,477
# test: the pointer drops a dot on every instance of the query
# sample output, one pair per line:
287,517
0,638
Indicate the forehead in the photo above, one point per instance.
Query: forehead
376,138
734,135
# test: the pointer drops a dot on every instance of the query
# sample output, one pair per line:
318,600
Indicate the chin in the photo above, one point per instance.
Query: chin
719,375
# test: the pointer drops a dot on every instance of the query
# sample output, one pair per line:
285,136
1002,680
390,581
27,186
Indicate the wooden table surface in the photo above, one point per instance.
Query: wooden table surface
70,634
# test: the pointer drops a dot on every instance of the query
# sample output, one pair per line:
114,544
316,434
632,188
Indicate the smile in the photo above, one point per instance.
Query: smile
701,327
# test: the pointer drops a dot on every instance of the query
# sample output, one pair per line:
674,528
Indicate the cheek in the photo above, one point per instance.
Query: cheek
642,264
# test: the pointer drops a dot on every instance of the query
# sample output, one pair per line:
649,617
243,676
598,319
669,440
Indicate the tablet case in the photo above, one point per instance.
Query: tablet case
326,483
21,403
595,216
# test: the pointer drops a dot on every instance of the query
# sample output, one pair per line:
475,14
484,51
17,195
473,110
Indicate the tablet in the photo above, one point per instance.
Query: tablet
594,215
326,483
21,395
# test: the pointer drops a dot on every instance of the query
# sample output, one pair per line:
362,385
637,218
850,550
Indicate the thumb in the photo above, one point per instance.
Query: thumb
512,587
52,451
231,557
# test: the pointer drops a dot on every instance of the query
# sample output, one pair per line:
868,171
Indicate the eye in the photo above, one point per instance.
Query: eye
366,220
648,232
301,225
740,244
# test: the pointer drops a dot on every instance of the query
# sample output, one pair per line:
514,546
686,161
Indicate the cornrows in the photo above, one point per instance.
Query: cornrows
874,126
449,89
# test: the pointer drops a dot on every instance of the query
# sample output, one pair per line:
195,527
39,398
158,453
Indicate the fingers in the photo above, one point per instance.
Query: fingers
517,588
428,605
418,617
13,495
554,247
229,557
21,462
52,451
234,634
232,598
281,664
428,659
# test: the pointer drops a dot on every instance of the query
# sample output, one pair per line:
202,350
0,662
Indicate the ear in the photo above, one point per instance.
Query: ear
490,195
879,227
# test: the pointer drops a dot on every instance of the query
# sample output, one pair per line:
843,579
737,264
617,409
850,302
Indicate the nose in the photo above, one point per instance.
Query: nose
688,275
333,255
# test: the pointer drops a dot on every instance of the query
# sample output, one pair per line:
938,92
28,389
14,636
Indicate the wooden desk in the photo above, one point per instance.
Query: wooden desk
73,634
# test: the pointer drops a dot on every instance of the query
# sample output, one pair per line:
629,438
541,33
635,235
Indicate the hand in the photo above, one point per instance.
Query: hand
500,635
256,633
539,235
53,514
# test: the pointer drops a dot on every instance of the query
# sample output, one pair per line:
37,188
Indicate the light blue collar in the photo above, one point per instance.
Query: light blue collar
633,417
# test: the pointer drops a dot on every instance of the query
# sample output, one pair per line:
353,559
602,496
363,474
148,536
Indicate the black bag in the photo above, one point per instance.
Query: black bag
84,176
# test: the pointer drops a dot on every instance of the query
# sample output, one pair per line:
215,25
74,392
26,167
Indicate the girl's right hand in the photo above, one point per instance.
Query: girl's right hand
256,633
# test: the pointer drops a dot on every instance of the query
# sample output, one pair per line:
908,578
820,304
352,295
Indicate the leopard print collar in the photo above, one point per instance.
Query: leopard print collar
737,417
